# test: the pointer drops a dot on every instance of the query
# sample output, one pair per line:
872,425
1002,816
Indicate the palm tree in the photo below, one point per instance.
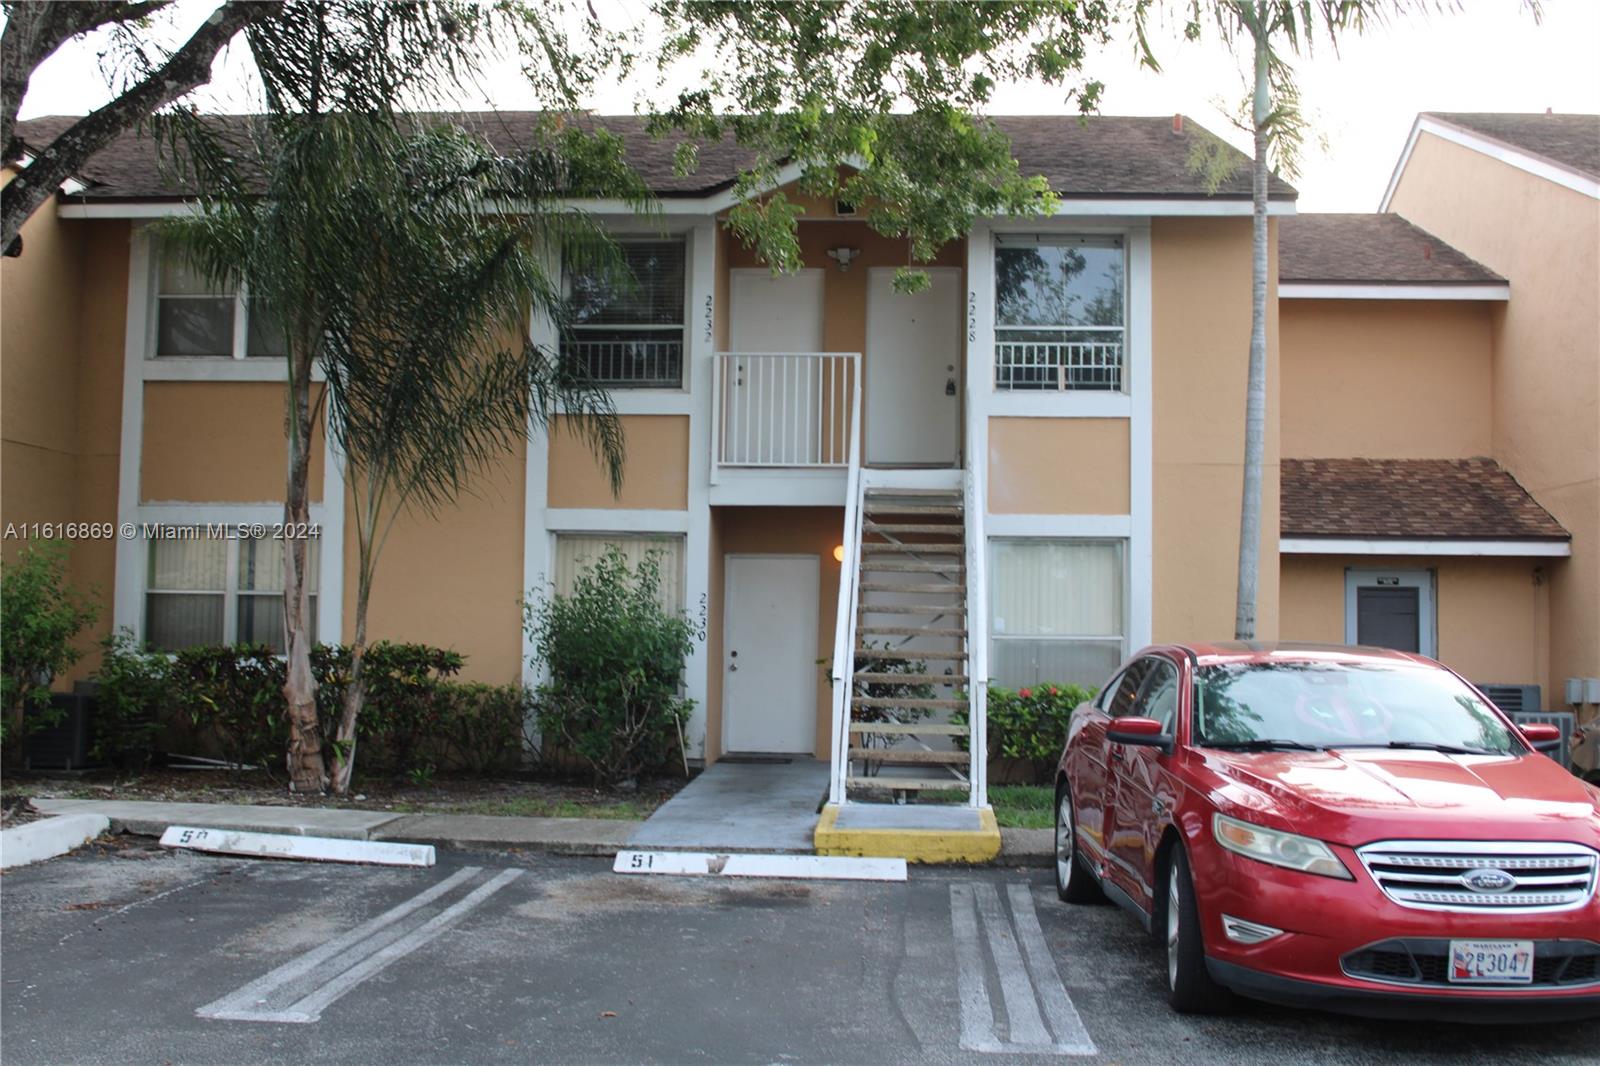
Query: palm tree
1274,31
379,249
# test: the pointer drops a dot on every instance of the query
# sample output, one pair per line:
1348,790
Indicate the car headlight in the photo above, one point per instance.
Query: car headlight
1274,846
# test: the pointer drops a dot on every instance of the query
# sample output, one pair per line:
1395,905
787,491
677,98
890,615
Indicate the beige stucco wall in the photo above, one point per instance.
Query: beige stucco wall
454,580
778,531
218,441
1058,466
1492,614
63,304
1395,379
1200,282
1546,373
655,474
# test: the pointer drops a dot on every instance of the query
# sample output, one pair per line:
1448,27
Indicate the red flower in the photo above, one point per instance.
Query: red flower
1026,693
1054,691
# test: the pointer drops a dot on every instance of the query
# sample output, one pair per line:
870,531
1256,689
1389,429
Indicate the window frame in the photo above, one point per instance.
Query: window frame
239,352
1123,243
679,537
680,240
1121,543
231,594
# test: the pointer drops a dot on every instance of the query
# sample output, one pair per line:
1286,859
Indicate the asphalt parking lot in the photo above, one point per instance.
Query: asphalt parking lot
129,954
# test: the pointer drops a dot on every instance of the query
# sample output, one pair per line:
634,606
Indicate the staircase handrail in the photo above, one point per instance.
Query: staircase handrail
844,625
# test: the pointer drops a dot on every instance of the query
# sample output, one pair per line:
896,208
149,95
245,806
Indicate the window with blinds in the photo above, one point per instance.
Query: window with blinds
577,551
213,590
626,326
1060,313
1056,611
195,317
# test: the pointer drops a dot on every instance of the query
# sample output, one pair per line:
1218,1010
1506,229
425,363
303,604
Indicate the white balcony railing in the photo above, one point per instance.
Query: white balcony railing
1034,364
784,409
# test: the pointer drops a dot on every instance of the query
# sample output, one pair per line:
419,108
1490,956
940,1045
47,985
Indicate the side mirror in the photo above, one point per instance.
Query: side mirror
1543,736
1142,732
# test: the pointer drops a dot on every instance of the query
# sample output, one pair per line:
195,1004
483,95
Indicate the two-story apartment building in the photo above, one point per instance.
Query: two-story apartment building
1019,475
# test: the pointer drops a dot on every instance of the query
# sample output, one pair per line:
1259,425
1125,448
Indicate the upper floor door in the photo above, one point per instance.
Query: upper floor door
913,361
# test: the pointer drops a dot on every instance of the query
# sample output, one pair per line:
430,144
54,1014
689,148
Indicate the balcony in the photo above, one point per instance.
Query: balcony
784,413
1054,360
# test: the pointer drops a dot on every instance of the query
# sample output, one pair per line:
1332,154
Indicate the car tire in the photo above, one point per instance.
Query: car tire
1190,987
1075,882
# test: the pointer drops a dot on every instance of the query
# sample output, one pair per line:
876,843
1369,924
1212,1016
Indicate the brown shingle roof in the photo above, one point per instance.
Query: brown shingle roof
1371,249
1095,157
1432,499
1573,141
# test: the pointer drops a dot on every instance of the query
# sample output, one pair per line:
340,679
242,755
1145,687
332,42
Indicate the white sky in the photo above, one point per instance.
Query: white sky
1489,56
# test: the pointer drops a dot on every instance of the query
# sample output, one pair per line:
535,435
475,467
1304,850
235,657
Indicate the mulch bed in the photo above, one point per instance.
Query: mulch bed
441,794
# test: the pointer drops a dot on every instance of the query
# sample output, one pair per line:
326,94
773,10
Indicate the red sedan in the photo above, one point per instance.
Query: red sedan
1348,828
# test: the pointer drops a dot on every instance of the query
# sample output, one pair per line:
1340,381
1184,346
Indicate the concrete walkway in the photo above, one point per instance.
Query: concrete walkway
736,806
730,808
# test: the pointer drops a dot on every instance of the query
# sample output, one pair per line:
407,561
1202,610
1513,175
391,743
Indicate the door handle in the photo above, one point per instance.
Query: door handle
949,386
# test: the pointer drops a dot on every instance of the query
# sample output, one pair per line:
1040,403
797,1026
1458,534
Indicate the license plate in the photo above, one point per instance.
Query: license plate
1498,962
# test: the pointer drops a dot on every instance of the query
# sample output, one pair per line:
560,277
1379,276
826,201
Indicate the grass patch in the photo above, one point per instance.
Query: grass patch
1023,806
1015,806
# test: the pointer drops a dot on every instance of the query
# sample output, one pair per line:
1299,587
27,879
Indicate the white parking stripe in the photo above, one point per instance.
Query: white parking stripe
977,1015
1071,1036
358,954
1027,978
1022,1009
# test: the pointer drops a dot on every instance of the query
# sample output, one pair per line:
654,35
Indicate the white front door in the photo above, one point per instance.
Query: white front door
912,370
765,401
769,690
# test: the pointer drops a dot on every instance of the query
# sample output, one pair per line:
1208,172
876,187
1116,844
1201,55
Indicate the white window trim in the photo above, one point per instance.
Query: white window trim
1102,403
652,399
1427,616
1062,522
138,367
231,593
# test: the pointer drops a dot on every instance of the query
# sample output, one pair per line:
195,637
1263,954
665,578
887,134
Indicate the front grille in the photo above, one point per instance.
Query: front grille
1425,961
1481,876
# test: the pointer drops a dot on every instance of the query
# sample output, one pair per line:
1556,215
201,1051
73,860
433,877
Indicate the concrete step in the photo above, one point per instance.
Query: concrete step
930,609
932,729
912,548
907,784
911,757
914,679
911,656
910,566
952,587
915,527
883,507
909,631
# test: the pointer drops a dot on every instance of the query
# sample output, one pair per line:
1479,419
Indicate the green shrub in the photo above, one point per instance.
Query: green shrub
615,659
39,617
135,691
484,725
1029,724
233,695
403,714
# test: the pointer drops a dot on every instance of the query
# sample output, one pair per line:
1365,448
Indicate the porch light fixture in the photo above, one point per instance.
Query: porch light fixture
838,553
843,255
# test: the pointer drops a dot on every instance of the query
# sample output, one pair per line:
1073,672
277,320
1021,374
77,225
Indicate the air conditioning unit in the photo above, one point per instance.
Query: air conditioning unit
1513,699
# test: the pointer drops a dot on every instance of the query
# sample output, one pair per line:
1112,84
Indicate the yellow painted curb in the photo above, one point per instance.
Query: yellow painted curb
913,845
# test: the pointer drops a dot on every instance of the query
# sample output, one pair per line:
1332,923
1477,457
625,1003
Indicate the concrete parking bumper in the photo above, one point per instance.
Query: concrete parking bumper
48,837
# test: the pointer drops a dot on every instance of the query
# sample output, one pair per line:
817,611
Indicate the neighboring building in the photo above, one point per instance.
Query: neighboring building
1051,442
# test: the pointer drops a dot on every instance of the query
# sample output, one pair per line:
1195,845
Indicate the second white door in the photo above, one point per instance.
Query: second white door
912,369
769,692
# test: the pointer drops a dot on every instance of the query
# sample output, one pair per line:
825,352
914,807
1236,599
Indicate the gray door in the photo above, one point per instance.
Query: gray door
1387,618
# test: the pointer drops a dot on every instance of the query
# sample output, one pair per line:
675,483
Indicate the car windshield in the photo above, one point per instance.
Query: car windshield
1344,705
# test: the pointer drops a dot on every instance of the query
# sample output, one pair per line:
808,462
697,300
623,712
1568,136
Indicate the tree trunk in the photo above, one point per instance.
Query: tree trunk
189,67
307,771
355,694
1255,416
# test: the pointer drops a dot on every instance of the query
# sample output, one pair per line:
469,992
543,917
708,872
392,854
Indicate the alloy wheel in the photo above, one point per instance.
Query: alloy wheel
1172,926
1064,841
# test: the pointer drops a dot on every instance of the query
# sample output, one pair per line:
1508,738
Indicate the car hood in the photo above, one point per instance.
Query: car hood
1357,795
